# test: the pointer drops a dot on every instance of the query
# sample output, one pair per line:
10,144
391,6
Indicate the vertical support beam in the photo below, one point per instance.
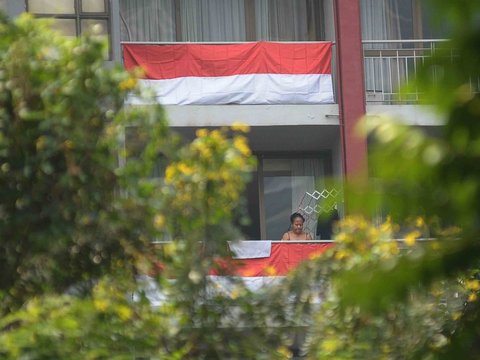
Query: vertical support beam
350,85
115,33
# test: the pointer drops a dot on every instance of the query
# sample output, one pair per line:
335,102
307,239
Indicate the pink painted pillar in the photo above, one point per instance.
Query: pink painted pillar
350,85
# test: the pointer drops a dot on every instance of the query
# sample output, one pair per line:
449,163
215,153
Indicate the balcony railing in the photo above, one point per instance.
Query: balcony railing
390,64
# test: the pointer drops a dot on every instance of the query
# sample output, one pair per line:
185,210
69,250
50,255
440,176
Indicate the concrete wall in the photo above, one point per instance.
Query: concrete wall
254,115
420,115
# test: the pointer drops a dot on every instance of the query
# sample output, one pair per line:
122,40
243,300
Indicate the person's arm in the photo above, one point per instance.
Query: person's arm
285,236
308,237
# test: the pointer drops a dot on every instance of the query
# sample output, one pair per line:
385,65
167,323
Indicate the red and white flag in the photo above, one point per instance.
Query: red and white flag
248,73
258,268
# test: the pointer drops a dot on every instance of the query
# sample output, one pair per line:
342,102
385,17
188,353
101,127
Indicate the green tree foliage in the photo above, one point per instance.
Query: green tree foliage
437,179
61,224
397,330
77,230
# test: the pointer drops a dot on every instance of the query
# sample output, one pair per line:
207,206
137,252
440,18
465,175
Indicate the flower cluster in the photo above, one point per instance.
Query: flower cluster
357,239
211,173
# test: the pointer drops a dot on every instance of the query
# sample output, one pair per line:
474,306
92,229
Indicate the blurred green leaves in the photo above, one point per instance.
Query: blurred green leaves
435,178
80,212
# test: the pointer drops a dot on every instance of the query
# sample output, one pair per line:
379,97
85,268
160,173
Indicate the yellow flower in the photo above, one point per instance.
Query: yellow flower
330,345
386,226
240,143
341,254
203,149
128,84
124,312
170,249
284,352
411,238
373,234
342,237
437,291
472,285
201,132
239,126
314,255
456,315
159,221
270,271
361,247
101,304
185,169
389,248
235,293
362,224
217,135
169,174
419,222
33,309
394,248
472,297
40,143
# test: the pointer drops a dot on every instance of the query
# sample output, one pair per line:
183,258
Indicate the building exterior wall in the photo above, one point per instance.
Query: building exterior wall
292,131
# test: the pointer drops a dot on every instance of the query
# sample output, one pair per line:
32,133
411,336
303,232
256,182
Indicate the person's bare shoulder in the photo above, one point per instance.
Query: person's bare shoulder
285,236
308,237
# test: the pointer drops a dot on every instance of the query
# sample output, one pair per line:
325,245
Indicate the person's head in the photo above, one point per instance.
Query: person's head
296,221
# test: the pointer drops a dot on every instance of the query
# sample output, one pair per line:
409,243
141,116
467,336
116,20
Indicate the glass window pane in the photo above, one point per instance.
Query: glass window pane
285,184
148,20
387,19
98,28
65,26
278,202
96,6
213,20
94,26
293,20
51,6
432,26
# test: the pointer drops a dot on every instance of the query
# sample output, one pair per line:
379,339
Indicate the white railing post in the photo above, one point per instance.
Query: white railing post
393,60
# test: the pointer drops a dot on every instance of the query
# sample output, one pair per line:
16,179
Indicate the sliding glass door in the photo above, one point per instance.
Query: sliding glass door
283,183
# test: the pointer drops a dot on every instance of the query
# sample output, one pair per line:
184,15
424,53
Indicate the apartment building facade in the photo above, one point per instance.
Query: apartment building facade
377,45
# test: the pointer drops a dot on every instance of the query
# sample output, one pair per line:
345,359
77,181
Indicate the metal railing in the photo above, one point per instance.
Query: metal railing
390,64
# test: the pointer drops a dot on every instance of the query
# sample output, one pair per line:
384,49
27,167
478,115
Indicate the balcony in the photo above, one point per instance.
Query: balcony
390,64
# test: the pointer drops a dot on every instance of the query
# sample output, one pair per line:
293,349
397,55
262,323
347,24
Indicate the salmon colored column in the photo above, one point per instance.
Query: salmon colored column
350,85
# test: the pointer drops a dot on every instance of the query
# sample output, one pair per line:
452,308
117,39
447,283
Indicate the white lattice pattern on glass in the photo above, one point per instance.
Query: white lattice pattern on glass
315,203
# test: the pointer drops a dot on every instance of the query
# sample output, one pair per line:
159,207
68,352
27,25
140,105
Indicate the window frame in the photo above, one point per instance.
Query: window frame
79,15
325,155
250,22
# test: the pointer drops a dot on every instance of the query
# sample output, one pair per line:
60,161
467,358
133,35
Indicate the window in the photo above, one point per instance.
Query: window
75,17
388,62
221,20
398,20
278,188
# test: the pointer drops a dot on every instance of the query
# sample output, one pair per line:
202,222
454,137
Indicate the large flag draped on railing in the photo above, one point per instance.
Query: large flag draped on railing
247,73
257,264
283,257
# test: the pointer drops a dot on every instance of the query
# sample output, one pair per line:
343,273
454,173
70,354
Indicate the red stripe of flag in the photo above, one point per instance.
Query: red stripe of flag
284,258
201,60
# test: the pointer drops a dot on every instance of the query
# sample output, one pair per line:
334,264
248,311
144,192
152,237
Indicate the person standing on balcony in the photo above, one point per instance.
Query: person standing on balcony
296,229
